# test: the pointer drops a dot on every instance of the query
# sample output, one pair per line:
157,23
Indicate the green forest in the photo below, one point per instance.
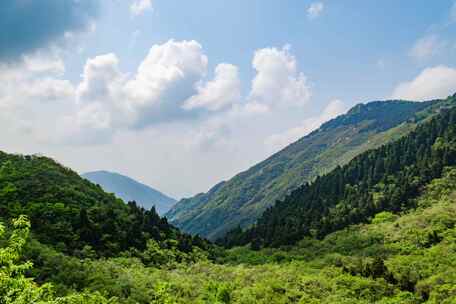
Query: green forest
379,229
227,152
241,200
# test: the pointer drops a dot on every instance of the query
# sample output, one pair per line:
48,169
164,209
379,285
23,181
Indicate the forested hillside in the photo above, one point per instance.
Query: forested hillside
354,203
404,258
384,179
128,189
71,213
241,200
381,229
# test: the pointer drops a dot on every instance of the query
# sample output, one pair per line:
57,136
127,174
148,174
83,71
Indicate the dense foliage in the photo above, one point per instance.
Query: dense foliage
71,213
406,258
16,288
381,229
384,179
242,199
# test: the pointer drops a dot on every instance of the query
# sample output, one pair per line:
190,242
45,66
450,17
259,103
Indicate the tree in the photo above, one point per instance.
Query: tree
16,288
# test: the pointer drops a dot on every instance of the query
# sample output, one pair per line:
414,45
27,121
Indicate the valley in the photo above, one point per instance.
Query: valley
378,229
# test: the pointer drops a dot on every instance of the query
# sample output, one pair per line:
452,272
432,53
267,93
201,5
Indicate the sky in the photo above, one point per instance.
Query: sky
183,94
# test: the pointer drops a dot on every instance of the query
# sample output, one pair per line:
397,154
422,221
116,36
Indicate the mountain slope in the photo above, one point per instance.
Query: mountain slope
385,179
241,200
130,190
406,258
71,213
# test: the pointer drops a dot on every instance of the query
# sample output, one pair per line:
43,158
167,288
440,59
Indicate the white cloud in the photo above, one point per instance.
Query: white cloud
431,83
427,47
278,82
101,79
254,108
89,125
219,93
213,134
38,63
315,9
107,100
28,81
49,89
165,80
138,7
167,89
279,141
100,103
93,123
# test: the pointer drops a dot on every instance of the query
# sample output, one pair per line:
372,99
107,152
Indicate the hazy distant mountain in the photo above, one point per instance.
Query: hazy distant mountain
242,199
130,190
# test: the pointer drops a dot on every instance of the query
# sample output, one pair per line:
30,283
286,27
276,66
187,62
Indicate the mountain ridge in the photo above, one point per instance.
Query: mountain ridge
240,200
388,178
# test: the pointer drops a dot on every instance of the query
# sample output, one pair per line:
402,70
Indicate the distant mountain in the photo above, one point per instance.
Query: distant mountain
70,213
241,200
130,190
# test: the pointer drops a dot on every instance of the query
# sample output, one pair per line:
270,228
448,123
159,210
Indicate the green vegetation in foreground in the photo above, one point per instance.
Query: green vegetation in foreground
15,287
72,214
242,200
393,239
406,258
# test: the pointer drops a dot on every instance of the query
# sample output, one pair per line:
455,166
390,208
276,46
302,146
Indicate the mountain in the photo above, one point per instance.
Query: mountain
379,229
73,214
242,199
130,190
407,257
386,179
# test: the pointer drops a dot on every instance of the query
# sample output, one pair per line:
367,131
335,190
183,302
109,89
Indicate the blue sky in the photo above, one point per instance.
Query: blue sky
338,50
183,94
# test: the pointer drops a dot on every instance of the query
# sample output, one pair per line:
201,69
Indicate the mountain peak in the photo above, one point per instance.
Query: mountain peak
240,200
129,189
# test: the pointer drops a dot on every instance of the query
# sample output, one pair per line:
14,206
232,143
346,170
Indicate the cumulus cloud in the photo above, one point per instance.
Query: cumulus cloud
427,47
99,100
277,82
431,83
169,86
221,92
44,64
165,80
279,141
138,7
315,9
101,79
49,89
29,80
34,24
106,99
166,87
